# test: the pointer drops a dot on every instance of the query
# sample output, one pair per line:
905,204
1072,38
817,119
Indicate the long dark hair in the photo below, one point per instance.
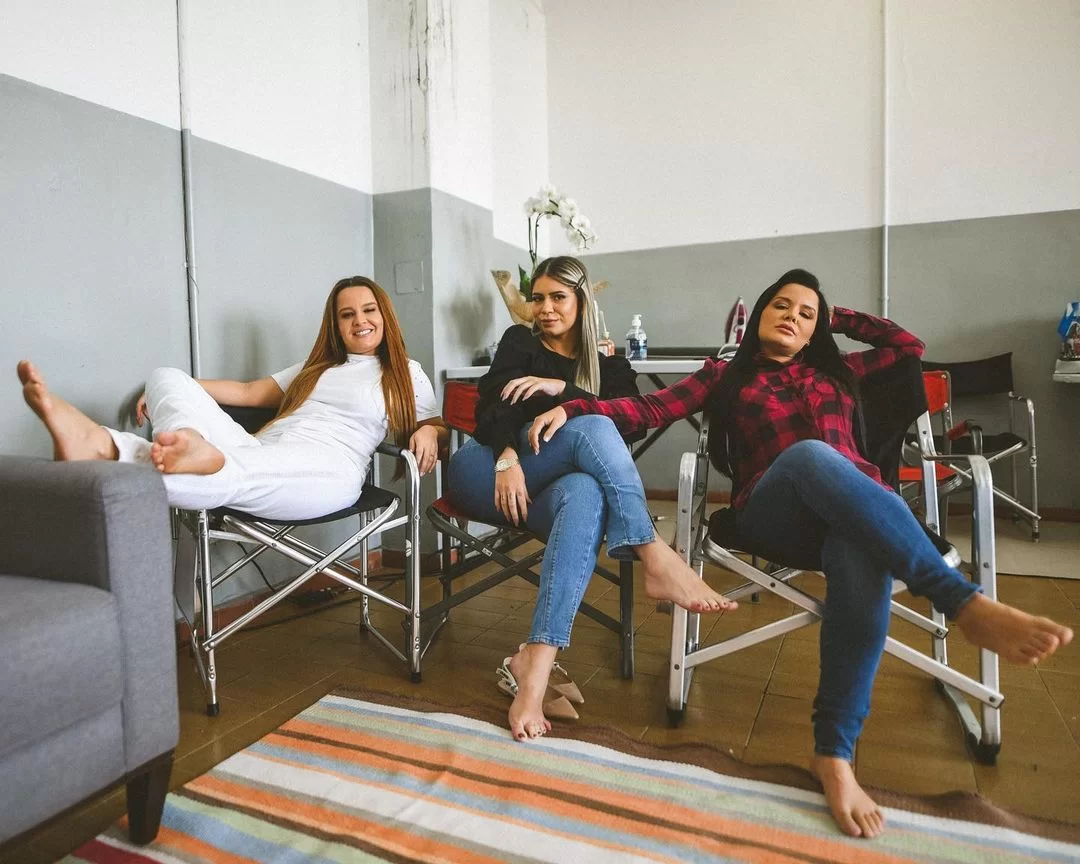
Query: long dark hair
822,353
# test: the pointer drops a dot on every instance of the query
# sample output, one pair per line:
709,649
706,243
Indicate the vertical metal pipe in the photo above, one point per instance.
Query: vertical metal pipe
885,158
189,201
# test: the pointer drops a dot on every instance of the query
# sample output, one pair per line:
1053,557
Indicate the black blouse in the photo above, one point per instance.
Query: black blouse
521,353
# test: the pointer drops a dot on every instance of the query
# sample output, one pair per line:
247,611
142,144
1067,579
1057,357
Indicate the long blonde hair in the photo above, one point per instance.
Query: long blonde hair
329,350
571,272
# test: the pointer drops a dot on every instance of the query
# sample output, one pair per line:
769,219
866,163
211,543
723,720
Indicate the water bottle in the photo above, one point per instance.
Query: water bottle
637,343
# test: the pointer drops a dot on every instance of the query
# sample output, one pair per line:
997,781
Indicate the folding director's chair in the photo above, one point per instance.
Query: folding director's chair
896,394
983,380
375,509
463,552
912,473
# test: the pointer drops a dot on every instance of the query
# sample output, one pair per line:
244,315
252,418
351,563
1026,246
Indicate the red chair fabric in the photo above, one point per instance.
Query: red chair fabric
459,405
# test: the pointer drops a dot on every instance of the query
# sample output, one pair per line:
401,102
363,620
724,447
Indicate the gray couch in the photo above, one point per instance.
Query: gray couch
87,640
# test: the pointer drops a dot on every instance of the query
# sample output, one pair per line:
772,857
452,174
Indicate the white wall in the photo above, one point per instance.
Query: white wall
398,52
459,98
431,99
691,122
984,108
116,53
284,81
519,113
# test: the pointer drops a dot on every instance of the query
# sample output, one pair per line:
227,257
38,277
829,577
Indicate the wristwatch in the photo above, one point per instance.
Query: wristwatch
506,464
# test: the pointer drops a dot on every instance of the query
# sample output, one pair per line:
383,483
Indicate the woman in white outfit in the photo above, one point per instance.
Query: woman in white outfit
356,387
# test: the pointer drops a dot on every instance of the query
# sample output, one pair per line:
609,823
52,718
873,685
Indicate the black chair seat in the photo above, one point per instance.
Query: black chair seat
372,498
991,443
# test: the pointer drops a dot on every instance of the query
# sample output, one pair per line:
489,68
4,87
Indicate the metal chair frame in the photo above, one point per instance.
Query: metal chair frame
376,511
953,432
472,551
983,733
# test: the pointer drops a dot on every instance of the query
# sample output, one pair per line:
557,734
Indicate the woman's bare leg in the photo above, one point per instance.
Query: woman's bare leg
668,577
75,436
185,451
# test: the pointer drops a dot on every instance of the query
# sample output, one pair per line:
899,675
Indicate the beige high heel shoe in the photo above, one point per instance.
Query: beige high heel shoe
557,707
561,682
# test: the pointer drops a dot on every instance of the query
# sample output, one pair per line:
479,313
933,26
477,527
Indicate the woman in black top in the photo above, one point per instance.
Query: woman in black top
497,477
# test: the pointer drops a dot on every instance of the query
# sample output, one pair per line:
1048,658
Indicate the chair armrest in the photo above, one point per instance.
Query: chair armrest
1015,399
684,520
961,429
104,524
388,449
412,471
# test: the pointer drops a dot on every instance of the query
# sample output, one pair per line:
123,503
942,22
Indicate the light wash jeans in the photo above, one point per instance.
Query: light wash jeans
814,509
583,485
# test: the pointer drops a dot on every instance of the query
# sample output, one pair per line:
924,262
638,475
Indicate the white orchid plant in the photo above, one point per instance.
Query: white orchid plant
546,203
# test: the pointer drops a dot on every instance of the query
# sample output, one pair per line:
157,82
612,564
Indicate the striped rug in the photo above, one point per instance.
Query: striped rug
353,780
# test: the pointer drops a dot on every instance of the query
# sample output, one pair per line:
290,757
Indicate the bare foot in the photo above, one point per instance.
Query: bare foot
531,667
854,811
185,451
75,436
668,577
1015,635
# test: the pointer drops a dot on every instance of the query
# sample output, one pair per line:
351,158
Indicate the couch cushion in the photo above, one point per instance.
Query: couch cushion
60,658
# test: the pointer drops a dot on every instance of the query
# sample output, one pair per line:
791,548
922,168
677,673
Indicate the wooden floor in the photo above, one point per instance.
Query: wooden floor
756,704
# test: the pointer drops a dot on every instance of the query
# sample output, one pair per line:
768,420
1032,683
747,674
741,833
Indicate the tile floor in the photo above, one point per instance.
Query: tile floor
756,704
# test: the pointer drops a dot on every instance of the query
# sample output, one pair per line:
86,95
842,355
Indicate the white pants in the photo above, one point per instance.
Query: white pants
279,479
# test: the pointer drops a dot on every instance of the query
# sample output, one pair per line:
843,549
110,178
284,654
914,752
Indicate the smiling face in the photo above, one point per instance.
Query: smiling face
788,322
359,320
555,309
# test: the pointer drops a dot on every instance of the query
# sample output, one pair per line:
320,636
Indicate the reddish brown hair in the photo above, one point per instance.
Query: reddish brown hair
329,350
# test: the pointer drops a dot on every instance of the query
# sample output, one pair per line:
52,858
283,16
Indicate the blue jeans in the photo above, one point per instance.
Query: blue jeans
815,510
583,485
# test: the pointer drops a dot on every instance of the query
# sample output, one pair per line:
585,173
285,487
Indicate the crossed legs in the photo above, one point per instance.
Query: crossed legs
592,445
813,500
583,484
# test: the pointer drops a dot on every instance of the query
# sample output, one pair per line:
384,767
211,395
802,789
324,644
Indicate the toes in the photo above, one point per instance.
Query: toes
848,825
870,823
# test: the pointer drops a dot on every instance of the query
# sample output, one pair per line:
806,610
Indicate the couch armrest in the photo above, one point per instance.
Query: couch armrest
104,524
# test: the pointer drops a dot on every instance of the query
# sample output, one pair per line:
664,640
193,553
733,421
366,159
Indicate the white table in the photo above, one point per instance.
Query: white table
1067,371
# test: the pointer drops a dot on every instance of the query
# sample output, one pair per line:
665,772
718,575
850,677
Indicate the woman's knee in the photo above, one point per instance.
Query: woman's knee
594,426
166,378
811,453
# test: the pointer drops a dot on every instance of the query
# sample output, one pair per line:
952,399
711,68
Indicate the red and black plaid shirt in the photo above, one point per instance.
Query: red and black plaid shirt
784,403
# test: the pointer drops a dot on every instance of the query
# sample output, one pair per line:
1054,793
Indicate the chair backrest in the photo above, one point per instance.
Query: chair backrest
977,377
892,400
459,405
936,385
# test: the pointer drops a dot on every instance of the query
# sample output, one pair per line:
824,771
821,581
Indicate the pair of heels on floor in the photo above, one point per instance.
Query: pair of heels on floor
561,694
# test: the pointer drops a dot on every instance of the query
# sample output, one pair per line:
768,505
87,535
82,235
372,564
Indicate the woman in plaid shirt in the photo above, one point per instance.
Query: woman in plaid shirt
782,417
